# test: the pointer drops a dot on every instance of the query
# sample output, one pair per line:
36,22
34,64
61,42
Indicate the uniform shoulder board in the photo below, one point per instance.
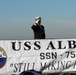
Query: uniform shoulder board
35,24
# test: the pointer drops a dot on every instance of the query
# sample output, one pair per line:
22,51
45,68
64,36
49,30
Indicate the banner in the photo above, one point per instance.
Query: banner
48,55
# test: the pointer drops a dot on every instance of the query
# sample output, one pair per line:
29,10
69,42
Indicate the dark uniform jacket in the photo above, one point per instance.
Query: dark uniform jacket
39,31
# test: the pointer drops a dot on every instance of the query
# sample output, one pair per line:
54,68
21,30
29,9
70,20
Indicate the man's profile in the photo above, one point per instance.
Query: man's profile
39,30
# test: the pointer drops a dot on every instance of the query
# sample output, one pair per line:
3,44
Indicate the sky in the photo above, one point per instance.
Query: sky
17,17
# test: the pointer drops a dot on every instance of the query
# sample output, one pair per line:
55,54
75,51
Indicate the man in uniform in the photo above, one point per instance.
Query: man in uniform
39,30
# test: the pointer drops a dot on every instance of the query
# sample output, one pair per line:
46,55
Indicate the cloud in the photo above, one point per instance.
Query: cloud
70,23
14,19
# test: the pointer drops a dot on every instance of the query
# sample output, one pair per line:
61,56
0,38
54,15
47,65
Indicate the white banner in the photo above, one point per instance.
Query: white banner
48,55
